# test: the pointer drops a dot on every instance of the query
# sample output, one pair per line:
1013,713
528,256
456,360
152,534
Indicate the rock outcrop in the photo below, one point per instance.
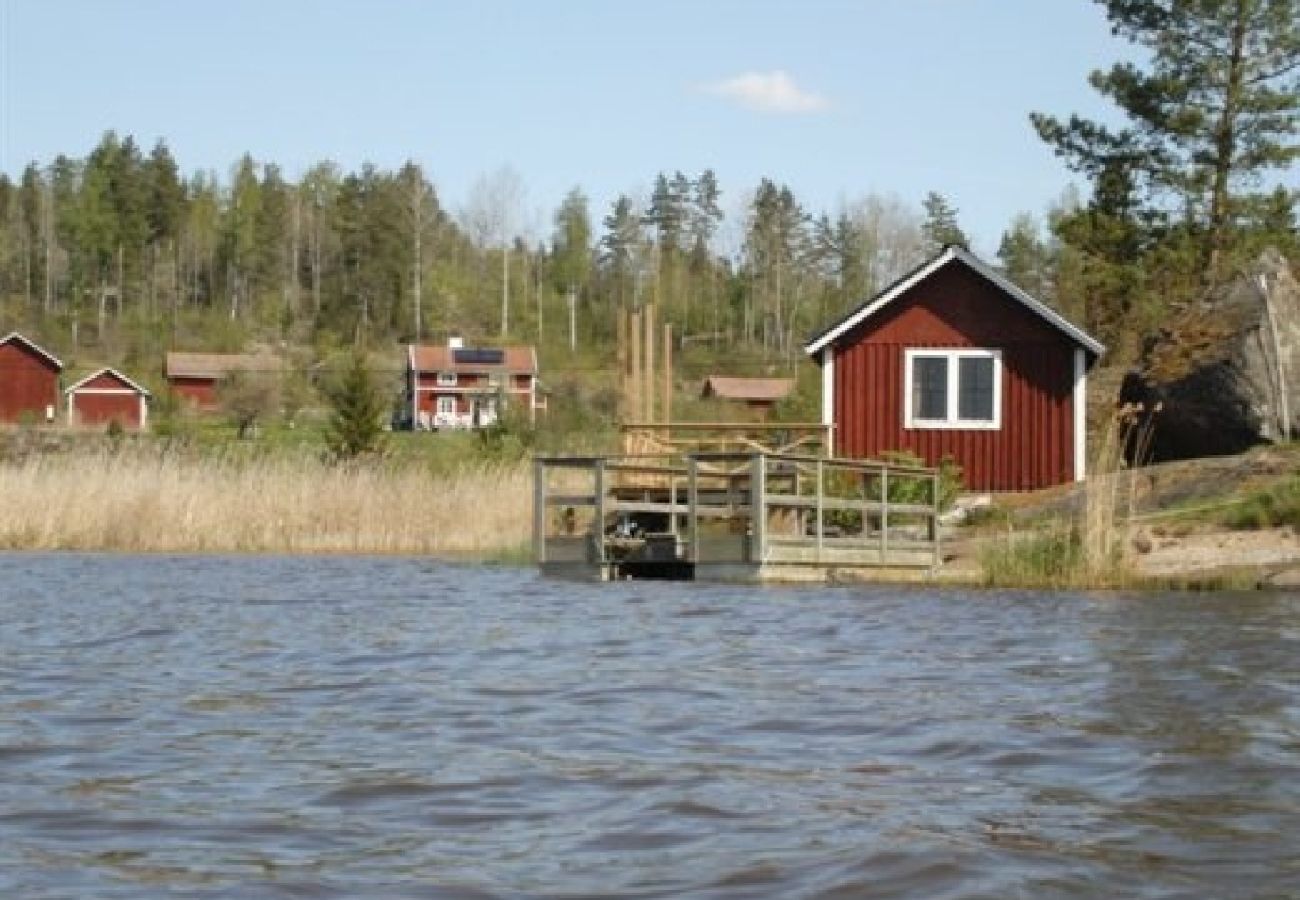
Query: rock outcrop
1226,373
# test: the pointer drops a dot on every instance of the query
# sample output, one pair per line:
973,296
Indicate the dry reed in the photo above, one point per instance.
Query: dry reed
152,502
1093,549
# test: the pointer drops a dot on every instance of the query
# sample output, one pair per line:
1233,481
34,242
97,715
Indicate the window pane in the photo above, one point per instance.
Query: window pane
929,387
975,388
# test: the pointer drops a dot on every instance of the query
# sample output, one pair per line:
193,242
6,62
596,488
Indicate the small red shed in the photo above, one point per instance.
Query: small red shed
29,380
757,394
195,377
953,360
106,396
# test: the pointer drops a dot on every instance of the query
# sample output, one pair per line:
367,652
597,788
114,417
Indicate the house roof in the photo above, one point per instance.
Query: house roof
114,373
520,360
952,254
763,389
31,345
217,365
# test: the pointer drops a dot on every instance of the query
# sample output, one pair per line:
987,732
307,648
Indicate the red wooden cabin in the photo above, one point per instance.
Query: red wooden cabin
455,387
29,380
953,360
106,396
756,394
196,377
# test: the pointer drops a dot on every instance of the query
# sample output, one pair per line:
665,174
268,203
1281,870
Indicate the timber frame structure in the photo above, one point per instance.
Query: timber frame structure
747,517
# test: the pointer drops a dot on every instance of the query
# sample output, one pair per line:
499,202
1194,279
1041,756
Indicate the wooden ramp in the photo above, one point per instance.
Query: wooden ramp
728,516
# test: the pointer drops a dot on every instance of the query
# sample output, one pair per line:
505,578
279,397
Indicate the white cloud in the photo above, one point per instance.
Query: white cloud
770,92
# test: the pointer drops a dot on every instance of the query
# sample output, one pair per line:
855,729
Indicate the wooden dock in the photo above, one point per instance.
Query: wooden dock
734,516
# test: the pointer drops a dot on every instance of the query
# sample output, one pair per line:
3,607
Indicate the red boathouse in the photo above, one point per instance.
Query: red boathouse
29,380
107,396
953,360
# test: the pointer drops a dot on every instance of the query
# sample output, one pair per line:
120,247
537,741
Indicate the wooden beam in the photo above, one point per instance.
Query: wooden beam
668,372
634,379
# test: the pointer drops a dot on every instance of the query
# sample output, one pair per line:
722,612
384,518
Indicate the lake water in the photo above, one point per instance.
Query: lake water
300,727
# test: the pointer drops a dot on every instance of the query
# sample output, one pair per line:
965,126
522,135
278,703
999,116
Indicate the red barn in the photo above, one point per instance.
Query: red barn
953,360
195,377
107,396
459,387
29,380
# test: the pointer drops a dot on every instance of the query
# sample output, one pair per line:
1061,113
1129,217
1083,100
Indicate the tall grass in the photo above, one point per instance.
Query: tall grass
1092,549
143,499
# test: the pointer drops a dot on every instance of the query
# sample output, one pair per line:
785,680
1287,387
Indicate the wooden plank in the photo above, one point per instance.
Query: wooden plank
567,549
758,506
571,500
648,506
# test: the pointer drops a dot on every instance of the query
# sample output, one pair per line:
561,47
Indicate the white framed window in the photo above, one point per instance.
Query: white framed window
446,406
446,379
952,389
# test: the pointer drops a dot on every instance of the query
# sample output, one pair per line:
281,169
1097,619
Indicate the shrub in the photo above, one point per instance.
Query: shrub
356,424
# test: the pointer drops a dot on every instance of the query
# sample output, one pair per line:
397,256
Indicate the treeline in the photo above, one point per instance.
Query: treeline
120,255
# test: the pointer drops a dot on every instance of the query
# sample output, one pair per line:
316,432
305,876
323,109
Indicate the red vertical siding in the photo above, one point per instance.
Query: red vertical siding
1033,448
100,409
199,392
28,383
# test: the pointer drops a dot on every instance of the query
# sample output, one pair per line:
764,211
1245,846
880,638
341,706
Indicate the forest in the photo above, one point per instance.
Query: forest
117,255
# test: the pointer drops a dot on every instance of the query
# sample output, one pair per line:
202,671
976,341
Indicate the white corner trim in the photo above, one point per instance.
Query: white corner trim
1079,400
952,421
828,397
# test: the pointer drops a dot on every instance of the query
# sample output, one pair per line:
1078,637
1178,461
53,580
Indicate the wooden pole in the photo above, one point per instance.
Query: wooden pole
648,384
634,381
757,507
668,374
539,510
621,350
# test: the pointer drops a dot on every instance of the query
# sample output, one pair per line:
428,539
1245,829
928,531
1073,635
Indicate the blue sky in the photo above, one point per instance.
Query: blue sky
837,98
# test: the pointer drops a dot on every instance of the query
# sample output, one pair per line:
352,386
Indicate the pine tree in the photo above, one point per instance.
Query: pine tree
356,424
619,246
941,228
1025,257
1217,107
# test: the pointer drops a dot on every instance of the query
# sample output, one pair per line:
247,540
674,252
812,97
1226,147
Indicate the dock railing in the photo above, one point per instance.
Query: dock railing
763,509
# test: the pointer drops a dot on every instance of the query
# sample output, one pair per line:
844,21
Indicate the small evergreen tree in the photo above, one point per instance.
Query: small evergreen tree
941,228
356,425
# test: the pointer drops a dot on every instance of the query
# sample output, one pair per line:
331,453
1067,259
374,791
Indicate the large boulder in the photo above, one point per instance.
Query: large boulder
1225,374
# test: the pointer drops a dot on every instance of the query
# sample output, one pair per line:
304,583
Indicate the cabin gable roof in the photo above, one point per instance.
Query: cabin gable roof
750,389
112,373
15,337
952,255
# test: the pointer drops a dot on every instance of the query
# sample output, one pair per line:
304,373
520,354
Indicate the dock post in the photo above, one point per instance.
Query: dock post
539,509
693,502
758,507
934,519
820,523
884,515
598,525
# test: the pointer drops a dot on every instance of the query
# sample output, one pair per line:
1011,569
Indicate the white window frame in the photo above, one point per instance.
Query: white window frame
446,406
446,379
952,421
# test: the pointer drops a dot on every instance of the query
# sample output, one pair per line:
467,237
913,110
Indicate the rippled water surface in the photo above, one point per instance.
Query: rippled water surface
286,727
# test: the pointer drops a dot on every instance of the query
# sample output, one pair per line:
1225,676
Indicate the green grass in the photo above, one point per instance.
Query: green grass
1276,507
